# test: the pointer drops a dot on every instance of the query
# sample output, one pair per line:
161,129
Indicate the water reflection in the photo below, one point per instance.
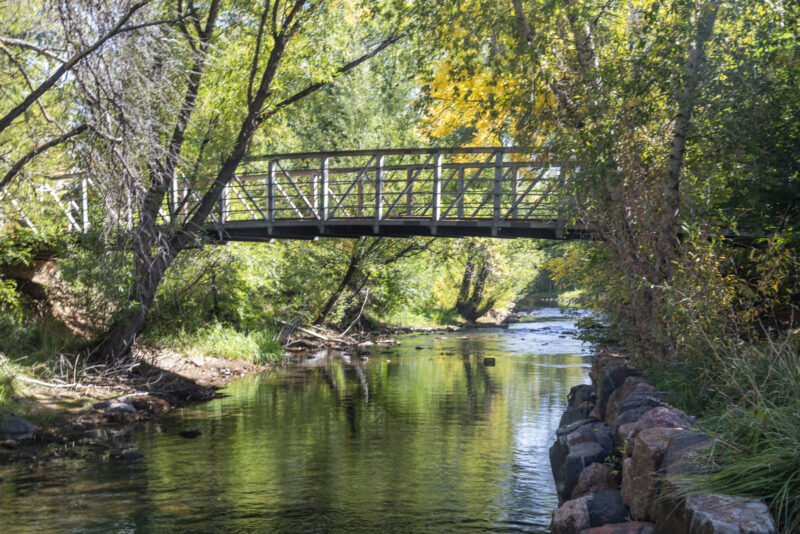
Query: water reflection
413,440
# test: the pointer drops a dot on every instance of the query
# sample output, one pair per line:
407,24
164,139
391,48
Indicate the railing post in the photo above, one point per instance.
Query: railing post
271,194
323,193
85,203
560,215
498,190
514,191
410,194
174,193
461,193
436,199
378,193
223,203
360,194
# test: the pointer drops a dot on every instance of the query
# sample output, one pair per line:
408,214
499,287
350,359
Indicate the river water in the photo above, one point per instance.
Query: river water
422,437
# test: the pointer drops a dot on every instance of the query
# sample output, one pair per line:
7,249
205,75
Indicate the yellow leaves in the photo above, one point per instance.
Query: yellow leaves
479,100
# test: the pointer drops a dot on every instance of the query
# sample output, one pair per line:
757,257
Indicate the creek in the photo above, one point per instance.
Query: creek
422,437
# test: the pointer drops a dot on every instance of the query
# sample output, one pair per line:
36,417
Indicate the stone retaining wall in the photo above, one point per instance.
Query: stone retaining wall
617,446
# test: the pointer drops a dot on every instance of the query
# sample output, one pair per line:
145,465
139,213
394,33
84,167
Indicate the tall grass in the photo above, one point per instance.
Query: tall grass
223,341
752,404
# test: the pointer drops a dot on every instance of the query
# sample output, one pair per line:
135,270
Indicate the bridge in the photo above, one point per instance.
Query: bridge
447,192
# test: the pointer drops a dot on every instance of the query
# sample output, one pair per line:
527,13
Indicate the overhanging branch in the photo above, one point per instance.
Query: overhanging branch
341,70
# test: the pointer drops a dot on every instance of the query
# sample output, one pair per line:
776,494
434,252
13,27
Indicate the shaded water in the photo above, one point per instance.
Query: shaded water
421,438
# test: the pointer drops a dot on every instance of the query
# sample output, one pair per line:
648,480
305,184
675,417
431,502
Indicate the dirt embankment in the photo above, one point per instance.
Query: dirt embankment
92,418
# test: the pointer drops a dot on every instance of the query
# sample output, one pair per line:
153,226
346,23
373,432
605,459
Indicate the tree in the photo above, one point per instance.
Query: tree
267,33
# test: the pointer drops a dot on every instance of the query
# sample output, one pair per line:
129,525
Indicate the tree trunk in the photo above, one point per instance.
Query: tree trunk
470,303
334,298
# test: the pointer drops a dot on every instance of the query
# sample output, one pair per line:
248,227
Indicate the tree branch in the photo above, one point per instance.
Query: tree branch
45,86
11,41
17,167
343,69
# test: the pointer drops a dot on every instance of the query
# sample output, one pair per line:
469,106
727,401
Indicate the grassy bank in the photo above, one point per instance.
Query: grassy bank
220,341
749,401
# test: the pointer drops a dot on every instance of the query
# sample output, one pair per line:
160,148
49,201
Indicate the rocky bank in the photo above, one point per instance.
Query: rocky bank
618,451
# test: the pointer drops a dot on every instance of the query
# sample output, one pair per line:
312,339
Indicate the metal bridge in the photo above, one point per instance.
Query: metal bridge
448,192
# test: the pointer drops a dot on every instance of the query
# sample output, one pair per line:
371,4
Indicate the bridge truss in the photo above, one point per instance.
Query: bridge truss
448,192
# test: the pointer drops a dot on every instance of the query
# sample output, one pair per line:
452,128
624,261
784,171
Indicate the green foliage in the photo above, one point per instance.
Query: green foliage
7,387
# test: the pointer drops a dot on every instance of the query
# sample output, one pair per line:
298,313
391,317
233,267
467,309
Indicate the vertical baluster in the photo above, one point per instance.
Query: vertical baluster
360,193
85,203
560,215
410,193
271,194
514,191
173,212
437,191
323,193
498,191
461,193
378,193
223,204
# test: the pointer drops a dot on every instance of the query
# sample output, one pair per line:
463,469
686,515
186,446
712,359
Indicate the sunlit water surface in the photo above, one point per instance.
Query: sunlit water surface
423,437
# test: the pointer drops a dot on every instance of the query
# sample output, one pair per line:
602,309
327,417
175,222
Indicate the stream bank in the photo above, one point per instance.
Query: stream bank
618,457
86,419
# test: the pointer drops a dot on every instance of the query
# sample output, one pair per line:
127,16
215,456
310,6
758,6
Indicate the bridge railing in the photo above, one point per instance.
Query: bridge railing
493,187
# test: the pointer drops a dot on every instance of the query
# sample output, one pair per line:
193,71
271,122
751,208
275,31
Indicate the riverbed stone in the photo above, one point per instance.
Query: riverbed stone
14,427
572,452
609,371
629,527
595,478
632,384
593,510
606,507
580,402
121,405
685,453
637,404
571,517
659,417
640,478
713,513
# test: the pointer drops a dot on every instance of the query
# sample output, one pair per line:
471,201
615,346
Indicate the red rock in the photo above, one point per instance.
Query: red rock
640,479
713,514
659,417
608,373
632,384
595,478
571,517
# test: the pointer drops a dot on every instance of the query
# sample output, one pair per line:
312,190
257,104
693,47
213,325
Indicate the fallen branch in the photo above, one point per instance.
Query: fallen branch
312,333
